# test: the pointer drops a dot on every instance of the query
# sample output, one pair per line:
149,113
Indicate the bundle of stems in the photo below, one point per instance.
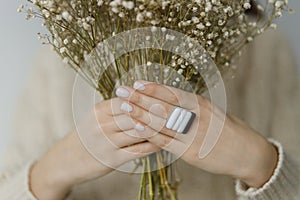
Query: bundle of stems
158,184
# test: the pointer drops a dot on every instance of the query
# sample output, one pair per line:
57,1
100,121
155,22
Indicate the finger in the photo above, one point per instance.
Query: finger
155,106
171,95
137,151
110,107
126,138
167,143
117,123
152,121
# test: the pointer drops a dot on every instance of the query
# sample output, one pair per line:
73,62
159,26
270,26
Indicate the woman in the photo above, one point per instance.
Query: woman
48,161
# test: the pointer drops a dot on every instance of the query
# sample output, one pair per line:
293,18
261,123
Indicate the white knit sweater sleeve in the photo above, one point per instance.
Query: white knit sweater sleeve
15,186
35,128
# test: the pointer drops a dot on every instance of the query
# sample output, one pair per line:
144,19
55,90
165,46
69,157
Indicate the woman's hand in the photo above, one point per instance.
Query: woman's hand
240,151
107,133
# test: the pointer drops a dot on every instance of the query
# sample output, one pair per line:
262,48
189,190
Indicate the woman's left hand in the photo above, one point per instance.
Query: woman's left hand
239,152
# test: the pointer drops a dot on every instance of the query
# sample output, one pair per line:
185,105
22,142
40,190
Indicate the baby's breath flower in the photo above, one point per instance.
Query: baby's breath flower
121,14
149,14
66,60
86,26
115,9
247,5
200,26
100,2
249,39
20,8
208,24
66,41
62,50
170,37
278,14
139,17
128,4
195,20
65,15
274,26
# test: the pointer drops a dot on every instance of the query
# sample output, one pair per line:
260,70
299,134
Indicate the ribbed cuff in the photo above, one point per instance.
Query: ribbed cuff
15,186
283,184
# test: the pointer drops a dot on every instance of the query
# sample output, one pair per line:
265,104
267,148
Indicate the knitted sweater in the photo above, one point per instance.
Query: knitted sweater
264,93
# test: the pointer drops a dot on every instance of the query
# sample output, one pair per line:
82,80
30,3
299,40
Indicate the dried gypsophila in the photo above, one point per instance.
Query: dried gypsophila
77,26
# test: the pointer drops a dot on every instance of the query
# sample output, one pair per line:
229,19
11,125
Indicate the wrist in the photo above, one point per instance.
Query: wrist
49,178
262,162
44,185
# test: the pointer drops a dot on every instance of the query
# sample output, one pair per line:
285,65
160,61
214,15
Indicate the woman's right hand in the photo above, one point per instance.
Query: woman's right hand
68,162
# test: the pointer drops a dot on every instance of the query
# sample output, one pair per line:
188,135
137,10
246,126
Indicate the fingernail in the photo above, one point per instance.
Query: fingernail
139,127
122,92
126,107
139,86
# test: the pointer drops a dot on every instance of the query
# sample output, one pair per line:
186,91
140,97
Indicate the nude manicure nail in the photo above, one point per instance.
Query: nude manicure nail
122,92
126,107
139,86
139,127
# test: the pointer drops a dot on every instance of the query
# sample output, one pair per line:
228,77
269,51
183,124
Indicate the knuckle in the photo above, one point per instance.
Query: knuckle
137,149
152,88
137,113
165,142
168,111
105,128
136,98
157,124
205,103
98,107
103,107
148,148
148,119
174,99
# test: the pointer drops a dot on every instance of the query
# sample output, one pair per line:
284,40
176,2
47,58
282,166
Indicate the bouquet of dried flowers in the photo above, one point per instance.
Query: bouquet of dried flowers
79,28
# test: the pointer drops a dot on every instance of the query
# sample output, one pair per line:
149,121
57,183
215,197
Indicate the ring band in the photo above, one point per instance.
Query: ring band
180,120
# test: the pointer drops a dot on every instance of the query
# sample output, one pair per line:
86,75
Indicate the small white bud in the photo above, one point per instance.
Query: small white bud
20,8
139,17
66,41
247,6
273,26
200,26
